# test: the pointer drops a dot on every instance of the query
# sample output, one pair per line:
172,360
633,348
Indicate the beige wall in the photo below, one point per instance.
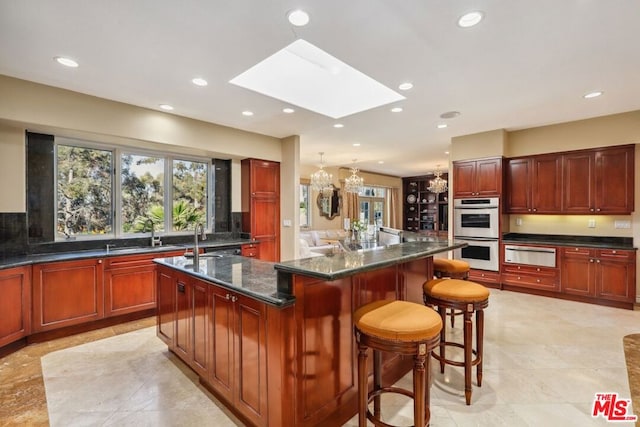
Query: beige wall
12,169
40,108
290,198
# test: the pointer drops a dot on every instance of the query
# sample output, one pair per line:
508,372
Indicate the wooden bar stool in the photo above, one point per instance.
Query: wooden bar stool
468,297
400,327
454,269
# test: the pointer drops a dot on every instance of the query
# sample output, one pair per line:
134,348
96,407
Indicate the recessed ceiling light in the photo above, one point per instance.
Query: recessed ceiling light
593,94
356,144
470,19
338,125
380,162
450,114
396,110
446,152
199,81
405,86
166,107
298,17
67,62
442,125
288,110
247,113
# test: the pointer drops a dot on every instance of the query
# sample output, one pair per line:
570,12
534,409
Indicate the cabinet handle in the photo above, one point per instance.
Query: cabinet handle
181,288
518,277
537,269
537,280
234,298
591,210
228,296
535,210
591,260
598,210
99,261
598,261
614,252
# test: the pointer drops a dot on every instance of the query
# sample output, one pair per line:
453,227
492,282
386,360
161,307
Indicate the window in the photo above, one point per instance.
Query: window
189,194
147,187
84,188
372,201
142,193
305,207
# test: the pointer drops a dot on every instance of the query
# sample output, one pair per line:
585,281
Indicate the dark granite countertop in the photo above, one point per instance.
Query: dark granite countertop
568,240
19,261
248,276
335,266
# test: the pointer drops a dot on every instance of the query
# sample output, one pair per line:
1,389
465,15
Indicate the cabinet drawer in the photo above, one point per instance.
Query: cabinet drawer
530,270
616,254
532,281
576,251
484,276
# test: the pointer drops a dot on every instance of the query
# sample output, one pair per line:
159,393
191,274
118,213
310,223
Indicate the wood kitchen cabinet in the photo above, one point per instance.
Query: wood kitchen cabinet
221,335
15,304
530,276
534,185
603,274
261,205
238,348
599,181
67,293
477,178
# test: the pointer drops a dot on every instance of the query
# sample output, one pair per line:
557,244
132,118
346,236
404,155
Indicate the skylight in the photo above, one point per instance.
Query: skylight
304,75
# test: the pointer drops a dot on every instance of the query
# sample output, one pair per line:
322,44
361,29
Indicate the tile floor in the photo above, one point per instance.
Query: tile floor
544,361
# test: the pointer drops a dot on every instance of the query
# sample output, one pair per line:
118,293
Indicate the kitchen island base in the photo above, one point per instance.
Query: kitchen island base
287,366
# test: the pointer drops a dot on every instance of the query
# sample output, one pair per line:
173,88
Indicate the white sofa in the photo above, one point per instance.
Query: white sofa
313,243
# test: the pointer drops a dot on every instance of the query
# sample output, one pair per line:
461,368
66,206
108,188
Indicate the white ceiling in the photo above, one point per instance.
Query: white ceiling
527,64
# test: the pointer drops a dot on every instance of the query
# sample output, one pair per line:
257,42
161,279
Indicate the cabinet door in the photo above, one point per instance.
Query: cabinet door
463,179
265,178
130,289
488,177
616,279
67,293
578,178
15,304
200,326
614,186
182,337
546,184
578,270
221,342
167,289
518,197
250,359
266,228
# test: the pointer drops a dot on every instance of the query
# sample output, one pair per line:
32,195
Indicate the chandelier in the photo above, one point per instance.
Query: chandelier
354,183
438,184
321,181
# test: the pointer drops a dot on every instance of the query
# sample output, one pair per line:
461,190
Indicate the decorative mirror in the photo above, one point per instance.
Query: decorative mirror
330,206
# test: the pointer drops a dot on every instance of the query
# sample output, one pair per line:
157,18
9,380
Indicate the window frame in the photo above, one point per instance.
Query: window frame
116,187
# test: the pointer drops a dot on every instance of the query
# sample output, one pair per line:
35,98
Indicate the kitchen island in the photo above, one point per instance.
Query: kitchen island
274,341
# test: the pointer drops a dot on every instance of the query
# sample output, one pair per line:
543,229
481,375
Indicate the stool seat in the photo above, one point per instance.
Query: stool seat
450,267
456,290
397,320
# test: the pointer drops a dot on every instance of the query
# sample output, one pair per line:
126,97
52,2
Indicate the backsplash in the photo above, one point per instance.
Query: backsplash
13,234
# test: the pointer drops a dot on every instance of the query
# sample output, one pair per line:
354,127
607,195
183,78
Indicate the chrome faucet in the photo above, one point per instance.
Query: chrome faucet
155,241
198,231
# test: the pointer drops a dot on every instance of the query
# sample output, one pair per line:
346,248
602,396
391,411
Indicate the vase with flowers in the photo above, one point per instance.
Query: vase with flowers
359,229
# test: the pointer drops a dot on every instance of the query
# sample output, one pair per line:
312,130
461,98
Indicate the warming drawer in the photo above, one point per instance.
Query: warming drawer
530,255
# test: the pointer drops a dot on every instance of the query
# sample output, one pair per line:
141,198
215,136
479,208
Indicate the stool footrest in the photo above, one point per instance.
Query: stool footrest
474,362
378,422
